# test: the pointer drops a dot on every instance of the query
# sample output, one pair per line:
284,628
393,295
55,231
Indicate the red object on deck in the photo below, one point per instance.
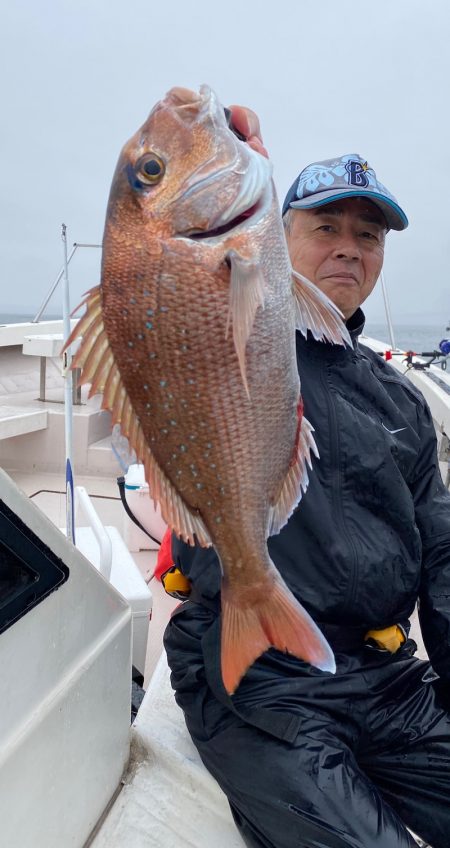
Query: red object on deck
388,355
165,560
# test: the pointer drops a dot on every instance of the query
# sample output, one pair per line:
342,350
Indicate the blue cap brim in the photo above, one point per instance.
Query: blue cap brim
395,217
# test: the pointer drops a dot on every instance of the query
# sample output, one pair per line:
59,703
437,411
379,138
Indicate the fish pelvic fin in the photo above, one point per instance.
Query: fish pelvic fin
315,312
98,367
279,622
247,292
297,479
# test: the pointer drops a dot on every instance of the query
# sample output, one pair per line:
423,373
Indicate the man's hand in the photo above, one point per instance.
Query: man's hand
247,122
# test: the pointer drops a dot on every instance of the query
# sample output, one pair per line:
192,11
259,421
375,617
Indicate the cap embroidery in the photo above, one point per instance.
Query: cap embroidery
357,173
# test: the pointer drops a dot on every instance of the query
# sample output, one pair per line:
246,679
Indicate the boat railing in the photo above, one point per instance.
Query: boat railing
59,277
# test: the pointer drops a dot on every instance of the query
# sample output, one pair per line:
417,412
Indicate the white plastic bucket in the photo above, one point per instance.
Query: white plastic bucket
141,505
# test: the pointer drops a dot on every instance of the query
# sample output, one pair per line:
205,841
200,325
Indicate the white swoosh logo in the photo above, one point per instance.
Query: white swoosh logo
400,429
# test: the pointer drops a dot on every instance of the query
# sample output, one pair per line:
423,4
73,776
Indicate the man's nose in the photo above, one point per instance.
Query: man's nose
348,248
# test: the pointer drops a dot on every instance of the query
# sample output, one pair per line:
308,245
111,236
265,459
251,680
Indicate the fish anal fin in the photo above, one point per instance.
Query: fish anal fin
279,621
296,480
315,312
247,291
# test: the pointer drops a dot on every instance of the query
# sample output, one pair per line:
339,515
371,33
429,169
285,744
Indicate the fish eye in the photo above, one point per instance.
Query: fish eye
150,168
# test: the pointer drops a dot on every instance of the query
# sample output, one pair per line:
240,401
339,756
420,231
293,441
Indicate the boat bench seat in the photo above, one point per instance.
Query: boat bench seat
18,420
49,346
169,799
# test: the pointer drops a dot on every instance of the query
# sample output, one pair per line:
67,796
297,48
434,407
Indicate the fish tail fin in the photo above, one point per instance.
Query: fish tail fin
279,621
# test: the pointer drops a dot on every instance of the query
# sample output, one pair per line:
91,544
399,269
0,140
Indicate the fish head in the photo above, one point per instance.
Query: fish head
185,174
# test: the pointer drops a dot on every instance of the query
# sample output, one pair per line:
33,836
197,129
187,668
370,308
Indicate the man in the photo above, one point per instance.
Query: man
307,758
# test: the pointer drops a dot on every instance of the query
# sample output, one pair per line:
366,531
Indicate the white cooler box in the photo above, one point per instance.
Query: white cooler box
142,506
106,550
128,580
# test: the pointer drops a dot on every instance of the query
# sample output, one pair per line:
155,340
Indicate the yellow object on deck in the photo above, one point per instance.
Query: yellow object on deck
389,639
176,584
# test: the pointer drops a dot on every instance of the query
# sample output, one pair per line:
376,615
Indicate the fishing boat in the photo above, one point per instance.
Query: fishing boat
79,621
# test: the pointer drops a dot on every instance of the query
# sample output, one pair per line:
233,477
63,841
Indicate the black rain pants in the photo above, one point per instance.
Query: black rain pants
311,760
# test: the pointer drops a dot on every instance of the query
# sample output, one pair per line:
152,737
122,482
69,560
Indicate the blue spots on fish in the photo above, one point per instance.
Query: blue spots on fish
163,308
152,355
183,448
149,325
150,312
163,383
130,344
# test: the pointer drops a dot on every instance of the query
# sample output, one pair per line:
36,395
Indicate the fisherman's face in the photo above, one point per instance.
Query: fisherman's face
340,248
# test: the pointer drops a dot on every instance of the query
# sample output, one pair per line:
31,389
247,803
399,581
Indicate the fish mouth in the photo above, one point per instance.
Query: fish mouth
228,227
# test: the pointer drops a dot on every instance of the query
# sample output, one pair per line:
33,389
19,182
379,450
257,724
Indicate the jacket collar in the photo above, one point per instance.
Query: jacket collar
355,326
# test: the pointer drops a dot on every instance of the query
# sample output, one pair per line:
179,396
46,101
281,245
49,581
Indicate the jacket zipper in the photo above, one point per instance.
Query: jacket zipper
337,490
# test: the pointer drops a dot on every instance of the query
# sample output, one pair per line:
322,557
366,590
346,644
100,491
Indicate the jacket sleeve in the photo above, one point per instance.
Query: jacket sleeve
432,510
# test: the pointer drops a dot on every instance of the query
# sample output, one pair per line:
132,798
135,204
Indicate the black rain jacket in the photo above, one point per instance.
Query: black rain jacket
372,532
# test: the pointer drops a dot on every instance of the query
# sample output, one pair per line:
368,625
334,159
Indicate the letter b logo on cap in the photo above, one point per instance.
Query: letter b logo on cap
357,173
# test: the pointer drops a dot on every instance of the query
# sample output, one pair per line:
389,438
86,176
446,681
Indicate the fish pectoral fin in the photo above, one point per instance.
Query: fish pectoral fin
247,292
296,480
279,622
98,366
314,311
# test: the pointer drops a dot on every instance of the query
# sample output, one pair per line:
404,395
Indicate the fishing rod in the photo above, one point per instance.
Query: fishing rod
438,357
68,388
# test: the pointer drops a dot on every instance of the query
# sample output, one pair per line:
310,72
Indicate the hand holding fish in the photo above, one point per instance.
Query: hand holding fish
246,122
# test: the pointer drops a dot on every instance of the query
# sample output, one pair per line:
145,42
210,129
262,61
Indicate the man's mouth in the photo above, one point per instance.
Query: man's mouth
344,276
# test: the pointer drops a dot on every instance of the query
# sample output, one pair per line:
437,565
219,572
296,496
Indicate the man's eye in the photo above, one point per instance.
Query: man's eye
326,228
370,236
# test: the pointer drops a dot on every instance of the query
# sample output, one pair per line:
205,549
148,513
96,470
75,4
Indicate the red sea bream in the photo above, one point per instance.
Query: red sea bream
191,339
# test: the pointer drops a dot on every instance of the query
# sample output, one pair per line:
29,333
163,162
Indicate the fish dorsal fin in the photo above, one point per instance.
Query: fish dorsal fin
98,366
296,480
314,311
247,289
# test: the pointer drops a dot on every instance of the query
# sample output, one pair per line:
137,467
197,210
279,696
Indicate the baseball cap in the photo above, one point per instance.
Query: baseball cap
346,176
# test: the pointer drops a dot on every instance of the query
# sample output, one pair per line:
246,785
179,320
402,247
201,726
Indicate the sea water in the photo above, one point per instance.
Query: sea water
416,337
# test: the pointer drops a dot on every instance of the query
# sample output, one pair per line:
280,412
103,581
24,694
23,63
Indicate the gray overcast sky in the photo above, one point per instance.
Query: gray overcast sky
326,78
